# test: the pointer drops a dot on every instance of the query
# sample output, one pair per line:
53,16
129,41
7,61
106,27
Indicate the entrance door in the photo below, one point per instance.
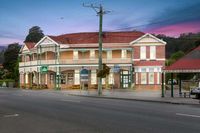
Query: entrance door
125,78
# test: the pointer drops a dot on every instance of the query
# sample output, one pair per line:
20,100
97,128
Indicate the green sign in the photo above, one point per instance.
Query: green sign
44,69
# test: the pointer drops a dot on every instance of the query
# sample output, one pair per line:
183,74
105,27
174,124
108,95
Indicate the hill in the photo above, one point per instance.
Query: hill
185,42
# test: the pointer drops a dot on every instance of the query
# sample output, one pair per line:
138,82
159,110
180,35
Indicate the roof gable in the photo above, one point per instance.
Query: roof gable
24,48
46,40
147,39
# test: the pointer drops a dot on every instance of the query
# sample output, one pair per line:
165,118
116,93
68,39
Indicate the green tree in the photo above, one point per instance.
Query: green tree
35,34
104,74
11,61
174,57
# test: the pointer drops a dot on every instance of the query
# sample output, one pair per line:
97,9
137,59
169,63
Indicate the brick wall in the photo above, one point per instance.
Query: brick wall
160,51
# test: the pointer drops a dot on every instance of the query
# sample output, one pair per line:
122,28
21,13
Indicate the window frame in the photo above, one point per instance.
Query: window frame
143,54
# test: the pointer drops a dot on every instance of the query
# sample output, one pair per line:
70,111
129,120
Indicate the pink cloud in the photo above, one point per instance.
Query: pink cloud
176,29
5,41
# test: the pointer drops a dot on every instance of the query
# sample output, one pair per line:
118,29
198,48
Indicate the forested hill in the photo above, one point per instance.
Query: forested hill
185,43
2,48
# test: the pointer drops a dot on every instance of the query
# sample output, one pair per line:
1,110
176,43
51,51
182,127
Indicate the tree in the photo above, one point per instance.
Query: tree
104,73
185,43
174,57
11,61
35,34
197,43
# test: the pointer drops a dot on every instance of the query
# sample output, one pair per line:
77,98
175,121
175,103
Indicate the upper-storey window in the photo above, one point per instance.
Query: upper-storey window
75,54
92,54
153,52
124,54
109,54
143,52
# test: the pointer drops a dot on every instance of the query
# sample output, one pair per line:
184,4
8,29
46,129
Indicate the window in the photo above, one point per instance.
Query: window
70,78
51,78
63,79
136,78
143,78
109,54
151,78
75,54
143,69
92,54
77,77
124,54
158,78
93,77
152,52
151,69
142,52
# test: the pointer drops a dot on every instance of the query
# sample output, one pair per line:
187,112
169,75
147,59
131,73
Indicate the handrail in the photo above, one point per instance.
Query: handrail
75,61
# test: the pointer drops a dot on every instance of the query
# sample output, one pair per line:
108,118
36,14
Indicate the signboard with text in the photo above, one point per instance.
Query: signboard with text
44,69
84,75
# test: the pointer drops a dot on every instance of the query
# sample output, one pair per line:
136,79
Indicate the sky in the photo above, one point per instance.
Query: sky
56,17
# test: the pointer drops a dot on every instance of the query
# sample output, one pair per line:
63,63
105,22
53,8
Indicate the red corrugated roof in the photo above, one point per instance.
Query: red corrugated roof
190,61
92,37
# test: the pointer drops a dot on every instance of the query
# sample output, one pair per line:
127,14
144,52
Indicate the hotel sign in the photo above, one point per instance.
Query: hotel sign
84,75
44,69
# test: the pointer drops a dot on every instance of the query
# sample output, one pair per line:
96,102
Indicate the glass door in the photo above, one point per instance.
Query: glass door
125,79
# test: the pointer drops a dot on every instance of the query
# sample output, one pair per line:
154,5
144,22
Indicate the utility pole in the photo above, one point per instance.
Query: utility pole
100,12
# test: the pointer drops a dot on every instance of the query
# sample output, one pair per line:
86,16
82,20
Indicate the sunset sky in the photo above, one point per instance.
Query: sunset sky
55,17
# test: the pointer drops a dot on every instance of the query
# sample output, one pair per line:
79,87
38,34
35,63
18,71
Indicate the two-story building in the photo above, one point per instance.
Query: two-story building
135,59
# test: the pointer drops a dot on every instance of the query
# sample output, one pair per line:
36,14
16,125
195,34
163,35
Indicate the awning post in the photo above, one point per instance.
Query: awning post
163,95
180,87
172,86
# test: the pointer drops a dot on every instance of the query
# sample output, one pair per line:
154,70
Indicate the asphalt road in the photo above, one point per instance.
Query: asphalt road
56,112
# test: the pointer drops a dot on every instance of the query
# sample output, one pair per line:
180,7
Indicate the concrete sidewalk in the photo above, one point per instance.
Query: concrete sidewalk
128,94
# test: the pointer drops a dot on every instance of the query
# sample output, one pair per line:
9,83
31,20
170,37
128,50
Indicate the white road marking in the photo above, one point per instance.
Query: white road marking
64,100
188,115
12,115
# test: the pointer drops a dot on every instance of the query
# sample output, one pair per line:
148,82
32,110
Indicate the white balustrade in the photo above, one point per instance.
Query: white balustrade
77,61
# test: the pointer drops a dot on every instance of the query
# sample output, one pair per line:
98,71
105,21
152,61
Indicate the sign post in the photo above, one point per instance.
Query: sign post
84,76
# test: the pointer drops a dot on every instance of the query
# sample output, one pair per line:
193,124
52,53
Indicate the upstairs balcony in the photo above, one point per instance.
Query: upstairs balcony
75,62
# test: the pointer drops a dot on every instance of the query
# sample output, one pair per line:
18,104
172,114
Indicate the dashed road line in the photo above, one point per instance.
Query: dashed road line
188,115
65,100
11,115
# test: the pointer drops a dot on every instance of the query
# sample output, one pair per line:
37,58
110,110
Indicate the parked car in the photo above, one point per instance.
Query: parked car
196,91
174,81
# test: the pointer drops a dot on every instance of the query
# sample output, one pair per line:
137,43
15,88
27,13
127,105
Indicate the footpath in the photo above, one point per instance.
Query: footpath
128,94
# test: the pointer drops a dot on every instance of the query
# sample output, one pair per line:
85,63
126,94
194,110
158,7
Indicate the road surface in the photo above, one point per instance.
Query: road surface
57,112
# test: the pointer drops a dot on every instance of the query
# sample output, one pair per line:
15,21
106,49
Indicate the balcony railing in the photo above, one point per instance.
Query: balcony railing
75,61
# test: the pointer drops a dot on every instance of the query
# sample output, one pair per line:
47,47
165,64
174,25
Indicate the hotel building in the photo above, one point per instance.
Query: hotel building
135,58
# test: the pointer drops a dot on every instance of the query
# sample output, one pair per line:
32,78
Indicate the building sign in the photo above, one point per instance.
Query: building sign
44,69
116,68
84,75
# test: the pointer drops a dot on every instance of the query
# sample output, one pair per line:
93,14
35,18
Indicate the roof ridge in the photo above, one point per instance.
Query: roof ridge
77,33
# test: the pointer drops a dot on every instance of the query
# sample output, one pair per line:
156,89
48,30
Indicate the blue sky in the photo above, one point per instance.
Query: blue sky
55,17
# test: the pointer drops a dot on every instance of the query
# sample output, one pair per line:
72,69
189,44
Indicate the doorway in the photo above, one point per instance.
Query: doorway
125,79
